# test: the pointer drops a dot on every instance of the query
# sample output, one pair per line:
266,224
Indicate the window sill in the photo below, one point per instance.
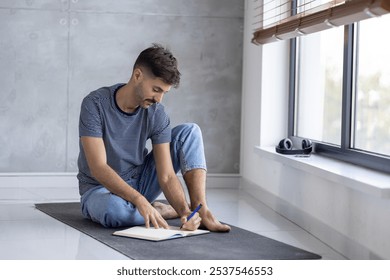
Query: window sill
358,178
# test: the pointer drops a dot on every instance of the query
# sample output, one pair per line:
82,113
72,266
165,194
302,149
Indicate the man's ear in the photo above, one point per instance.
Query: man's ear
137,73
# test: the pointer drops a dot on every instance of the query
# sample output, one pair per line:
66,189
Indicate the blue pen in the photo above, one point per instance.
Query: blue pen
193,213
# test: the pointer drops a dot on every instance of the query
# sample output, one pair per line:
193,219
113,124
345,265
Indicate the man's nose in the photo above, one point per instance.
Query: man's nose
158,97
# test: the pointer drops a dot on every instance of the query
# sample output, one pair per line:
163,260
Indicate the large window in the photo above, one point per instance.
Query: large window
372,111
340,92
319,86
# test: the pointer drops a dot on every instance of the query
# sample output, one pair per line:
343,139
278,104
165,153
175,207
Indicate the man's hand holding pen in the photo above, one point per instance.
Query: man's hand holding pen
192,221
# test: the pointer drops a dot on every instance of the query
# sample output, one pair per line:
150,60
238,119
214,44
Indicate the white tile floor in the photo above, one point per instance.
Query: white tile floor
27,233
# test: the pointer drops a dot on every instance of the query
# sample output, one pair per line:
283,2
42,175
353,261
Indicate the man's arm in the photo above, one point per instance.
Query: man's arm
95,152
171,186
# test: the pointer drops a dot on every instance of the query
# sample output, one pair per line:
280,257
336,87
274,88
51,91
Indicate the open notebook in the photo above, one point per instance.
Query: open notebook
160,234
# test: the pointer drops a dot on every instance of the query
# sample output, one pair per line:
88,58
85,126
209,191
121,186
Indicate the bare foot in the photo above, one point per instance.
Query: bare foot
210,222
165,210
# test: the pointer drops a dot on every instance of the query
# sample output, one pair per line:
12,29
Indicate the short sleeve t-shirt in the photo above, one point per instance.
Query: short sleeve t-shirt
124,135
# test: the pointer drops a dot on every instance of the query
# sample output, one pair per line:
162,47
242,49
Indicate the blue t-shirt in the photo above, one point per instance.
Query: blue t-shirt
124,134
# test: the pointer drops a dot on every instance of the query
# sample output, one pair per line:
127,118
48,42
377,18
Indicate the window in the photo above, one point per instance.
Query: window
372,120
340,92
320,76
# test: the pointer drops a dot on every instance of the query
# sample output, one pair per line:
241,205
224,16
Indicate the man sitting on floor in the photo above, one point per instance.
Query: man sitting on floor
119,180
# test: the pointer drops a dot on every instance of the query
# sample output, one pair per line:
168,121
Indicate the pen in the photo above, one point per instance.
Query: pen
193,213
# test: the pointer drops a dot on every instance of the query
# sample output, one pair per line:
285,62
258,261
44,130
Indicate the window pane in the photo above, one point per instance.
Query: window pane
372,116
319,86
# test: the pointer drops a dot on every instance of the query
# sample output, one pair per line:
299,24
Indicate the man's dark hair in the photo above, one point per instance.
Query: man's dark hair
161,63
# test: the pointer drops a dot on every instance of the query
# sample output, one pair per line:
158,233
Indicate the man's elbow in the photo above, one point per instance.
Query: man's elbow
166,179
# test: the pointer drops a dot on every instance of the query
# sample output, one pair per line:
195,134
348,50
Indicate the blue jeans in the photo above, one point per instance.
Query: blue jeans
110,210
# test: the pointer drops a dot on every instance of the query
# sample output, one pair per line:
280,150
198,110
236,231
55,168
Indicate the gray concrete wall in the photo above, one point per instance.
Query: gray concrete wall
53,53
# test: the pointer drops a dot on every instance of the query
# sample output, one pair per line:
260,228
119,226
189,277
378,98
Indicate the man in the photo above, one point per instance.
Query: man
118,180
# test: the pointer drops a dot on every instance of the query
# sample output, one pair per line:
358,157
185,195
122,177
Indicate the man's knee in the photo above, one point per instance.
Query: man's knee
191,127
187,129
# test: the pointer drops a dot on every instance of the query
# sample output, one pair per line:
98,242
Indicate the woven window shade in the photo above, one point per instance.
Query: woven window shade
289,20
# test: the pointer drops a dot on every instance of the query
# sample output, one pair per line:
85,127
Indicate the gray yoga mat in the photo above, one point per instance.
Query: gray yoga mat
238,244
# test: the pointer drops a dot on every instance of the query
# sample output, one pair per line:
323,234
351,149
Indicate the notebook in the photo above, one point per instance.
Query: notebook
153,234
